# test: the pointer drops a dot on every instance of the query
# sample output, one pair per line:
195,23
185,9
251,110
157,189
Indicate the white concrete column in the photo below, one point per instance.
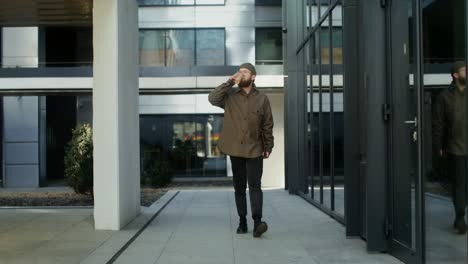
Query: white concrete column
115,113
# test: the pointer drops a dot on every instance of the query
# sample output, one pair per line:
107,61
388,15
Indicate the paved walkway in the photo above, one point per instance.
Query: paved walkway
198,226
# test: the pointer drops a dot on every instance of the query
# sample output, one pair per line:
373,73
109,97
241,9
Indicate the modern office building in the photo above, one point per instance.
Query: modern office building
352,85
186,48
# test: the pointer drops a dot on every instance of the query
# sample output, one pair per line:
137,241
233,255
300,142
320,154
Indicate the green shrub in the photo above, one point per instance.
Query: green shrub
79,160
156,169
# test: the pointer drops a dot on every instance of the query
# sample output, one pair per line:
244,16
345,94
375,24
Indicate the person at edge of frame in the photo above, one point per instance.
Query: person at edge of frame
449,139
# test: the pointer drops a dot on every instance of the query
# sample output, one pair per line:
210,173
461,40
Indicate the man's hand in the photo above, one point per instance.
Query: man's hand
234,76
266,155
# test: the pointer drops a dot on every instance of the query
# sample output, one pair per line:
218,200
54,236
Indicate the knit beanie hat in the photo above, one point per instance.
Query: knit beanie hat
457,66
249,67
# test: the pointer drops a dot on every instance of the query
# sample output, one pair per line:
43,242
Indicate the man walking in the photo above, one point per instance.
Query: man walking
449,139
247,137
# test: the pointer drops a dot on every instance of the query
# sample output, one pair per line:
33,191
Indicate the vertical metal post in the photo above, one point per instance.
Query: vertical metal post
320,121
466,97
311,99
419,88
331,112
311,118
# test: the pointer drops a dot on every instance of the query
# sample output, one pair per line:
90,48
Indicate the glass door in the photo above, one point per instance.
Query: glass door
403,140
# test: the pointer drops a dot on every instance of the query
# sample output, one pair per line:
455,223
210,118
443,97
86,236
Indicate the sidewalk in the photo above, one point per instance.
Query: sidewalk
197,226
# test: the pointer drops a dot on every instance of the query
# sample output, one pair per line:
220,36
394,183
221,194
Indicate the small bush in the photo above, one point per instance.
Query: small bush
156,169
79,160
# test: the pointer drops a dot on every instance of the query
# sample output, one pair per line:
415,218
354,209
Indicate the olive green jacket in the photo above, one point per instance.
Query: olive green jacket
248,122
448,123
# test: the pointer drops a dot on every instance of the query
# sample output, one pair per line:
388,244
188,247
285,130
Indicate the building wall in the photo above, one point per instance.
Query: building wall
20,113
21,141
273,168
236,16
273,175
239,18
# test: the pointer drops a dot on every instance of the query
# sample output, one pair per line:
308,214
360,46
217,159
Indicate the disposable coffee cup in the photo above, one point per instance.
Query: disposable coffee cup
238,79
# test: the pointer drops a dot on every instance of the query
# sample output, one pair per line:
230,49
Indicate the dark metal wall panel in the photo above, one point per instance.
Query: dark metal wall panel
351,117
291,95
374,97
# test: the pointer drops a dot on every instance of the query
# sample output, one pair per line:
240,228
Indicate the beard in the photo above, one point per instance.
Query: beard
245,83
462,81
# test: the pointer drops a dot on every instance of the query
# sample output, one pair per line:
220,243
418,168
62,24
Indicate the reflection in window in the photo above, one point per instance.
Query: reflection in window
180,48
210,47
337,43
176,47
443,27
268,46
268,2
446,180
165,2
210,2
180,2
66,46
152,52
189,143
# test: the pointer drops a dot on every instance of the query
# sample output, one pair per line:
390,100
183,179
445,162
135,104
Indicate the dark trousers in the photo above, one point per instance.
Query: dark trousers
457,173
248,170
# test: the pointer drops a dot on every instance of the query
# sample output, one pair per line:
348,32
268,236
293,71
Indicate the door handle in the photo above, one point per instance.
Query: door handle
412,122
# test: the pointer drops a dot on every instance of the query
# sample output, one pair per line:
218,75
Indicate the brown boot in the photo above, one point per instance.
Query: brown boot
460,225
259,229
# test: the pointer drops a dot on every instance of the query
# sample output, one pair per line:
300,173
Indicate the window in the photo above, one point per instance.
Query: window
179,2
444,38
182,47
268,46
65,46
152,51
336,43
268,2
188,143
210,47
210,2
165,2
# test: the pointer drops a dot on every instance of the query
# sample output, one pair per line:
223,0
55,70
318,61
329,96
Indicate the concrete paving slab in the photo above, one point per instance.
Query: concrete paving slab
198,226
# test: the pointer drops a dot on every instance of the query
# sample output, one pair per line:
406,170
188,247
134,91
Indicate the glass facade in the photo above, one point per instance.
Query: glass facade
443,34
445,164
179,2
268,2
182,47
210,47
65,46
268,46
393,114
323,182
188,142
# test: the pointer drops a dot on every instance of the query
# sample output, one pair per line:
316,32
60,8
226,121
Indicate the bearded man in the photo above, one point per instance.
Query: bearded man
247,137
449,139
